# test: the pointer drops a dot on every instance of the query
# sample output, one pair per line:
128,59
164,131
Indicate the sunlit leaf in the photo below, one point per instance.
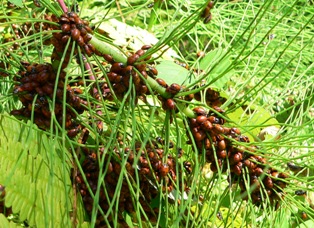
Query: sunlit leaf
216,63
171,72
253,119
306,224
18,3
37,183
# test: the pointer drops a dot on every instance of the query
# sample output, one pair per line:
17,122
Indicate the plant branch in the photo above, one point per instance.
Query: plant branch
63,6
95,91
105,48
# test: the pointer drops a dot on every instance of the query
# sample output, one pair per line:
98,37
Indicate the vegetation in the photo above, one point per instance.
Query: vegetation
156,113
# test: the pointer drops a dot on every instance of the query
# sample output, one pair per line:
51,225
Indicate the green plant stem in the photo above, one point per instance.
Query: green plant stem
118,56
108,49
156,87
186,110
153,17
91,76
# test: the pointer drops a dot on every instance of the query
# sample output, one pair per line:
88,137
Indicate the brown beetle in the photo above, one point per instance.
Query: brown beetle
65,28
75,34
162,82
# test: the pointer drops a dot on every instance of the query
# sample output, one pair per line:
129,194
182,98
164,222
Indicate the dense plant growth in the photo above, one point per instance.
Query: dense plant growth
100,133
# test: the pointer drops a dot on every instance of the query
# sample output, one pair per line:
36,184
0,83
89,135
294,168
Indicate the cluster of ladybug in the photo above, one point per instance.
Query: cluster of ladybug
172,90
35,88
20,31
135,71
37,84
73,29
27,29
216,141
211,97
150,166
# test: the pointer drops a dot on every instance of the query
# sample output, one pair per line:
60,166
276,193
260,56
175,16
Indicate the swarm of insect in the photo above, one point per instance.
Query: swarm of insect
217,141
75,30
135,72
155,172
26,29
35,85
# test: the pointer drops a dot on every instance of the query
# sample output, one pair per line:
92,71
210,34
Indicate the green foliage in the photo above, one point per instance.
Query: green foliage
6,223
259,53
18,3
36,175
218,64
252,119
171,72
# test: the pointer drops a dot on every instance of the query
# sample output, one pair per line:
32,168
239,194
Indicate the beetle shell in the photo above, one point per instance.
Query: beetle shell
108,58
304,215
189,97
235,131
200,54
83,31
88,29
208,18
283,175
64,19
164,170
16,112
91,47
42,76
132,59
140,52
146,47
170,104
207,144
65,38
141,67
207,125
65,28
268,182
201,119
237,170
153,70
174,88
218,128
236,158
213,119
75,34
210,4
206,11
161,82
222,144
87,50
87,38
199,111
117,67
143,89
258,171
221,154
80,41
127,71
200,135
251,165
